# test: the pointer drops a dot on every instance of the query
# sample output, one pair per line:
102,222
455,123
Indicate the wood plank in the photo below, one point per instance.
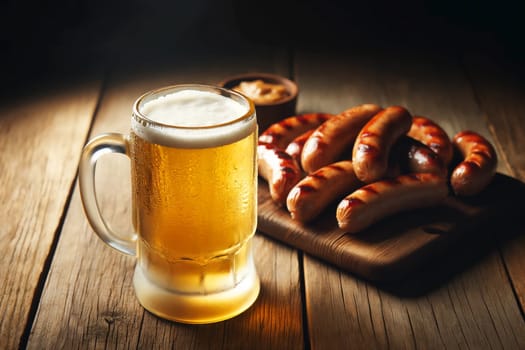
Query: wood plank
499,87
41,135
461,314
472,305
88,300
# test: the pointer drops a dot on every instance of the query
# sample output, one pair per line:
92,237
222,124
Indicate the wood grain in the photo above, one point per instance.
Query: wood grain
461,314
41,136
89,289
472,307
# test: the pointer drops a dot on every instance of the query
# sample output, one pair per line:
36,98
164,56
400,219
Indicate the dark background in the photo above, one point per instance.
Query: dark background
64,37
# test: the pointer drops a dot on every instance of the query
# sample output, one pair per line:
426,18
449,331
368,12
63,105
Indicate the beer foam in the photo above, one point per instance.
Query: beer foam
193,119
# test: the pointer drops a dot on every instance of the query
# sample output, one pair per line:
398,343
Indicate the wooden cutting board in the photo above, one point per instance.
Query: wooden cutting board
395,246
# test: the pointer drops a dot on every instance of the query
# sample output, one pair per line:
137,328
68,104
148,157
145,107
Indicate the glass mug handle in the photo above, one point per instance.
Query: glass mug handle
94,149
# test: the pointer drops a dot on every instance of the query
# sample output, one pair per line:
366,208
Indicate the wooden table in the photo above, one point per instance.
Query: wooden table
63,288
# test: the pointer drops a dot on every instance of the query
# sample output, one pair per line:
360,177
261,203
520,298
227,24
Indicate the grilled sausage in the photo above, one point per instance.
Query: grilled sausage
413,156
334,136
431,134
372,146
279,169
375,201
310,196
284,131
479,163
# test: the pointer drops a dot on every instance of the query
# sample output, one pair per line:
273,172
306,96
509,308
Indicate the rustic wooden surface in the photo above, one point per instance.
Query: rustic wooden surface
63,288
40,139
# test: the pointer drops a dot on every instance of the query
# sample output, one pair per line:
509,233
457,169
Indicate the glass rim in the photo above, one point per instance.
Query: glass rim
201,87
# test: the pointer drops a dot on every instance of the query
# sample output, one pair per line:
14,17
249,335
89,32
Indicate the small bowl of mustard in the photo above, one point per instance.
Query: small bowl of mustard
274,96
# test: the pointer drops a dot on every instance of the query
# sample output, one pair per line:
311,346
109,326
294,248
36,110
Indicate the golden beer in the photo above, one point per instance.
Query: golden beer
194,201
195,212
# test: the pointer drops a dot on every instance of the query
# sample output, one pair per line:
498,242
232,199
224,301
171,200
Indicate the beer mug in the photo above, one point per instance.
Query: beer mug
194,201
